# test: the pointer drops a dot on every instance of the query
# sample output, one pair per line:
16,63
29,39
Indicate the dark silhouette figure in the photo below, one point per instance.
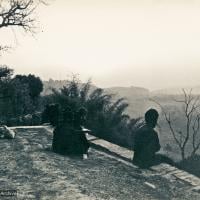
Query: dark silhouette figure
68,137
63,133
51,114
146,141
79,122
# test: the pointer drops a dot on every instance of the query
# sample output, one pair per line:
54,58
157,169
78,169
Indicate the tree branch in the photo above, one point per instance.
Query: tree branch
19,13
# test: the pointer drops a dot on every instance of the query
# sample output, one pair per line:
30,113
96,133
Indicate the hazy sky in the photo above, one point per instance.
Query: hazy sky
149,43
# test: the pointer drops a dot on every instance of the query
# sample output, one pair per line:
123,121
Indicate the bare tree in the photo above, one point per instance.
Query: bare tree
191,105
18,13
3,48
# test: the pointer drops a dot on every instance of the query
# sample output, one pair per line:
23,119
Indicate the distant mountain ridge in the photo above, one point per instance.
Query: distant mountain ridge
138,98
121,91
124,91
53,84
177,90
128,91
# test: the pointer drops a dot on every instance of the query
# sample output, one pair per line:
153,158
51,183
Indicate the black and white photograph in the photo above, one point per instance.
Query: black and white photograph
100,99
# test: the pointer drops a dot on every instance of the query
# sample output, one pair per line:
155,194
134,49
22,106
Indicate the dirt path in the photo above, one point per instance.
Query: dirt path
28,166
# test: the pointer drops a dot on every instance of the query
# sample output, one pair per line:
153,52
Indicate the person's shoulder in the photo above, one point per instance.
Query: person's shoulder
155,132
143,128
151,130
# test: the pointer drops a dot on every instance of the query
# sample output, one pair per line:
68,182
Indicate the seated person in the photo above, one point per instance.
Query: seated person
51,114
146,141
62,133
68,137
6,133
79,121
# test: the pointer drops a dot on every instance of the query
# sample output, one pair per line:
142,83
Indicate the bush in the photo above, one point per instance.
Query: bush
191,165
106,117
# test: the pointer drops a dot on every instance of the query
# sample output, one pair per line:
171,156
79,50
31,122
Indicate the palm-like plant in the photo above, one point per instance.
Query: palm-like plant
106,117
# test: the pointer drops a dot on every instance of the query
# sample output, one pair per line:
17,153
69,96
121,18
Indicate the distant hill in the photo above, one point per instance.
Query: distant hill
56,84
138,98
121,91
136,92
52,84
177,91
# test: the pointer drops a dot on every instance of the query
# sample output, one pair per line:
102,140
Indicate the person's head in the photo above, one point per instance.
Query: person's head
80,116
151,117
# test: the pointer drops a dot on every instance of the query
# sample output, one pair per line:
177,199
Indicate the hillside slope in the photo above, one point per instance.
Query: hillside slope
28,165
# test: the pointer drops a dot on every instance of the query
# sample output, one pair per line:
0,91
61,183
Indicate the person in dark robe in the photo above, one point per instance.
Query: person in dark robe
51,114
68,136
146,141
79,122
62,135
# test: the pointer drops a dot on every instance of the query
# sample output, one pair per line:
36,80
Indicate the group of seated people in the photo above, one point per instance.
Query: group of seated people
69,136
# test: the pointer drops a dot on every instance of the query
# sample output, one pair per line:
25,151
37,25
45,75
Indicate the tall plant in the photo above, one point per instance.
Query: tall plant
105,116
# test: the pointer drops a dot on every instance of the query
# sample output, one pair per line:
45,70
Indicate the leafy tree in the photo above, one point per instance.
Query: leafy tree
19,95
21,101
5,73
5,91
5,77
26,91
34,84
106,117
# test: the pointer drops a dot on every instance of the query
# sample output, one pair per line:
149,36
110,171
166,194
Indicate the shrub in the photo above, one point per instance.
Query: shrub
106,117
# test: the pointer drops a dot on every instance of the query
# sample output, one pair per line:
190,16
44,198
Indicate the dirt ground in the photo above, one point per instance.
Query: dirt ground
29,166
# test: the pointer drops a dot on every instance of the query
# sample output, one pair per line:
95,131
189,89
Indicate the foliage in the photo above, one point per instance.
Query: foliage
19,96
5,76
5,73
105,118
33,83
21,101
